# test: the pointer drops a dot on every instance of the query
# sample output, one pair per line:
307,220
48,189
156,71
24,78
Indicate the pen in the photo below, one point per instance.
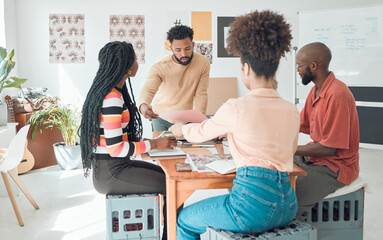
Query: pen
202,146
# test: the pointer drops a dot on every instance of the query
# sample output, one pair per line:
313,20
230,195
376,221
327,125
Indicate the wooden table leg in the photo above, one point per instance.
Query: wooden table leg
293,181
171,208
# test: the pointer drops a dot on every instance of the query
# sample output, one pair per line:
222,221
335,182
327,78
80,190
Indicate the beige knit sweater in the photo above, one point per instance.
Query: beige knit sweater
173,87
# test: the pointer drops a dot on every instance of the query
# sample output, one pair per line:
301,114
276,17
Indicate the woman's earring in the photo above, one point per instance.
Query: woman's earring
129,72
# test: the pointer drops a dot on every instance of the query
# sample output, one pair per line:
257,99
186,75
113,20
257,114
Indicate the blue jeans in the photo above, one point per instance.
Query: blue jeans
260,199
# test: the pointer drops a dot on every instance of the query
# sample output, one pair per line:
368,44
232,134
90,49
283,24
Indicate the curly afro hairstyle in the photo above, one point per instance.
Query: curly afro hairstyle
260,39
180,32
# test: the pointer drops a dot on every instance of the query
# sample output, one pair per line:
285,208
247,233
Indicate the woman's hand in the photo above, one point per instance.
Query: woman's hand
163,143
3,153
176,129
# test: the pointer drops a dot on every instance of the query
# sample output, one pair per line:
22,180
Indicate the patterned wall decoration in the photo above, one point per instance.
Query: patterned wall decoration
66,38
131,29
205,48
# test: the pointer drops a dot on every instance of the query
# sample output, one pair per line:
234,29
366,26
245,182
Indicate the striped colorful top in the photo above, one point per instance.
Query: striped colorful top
114,127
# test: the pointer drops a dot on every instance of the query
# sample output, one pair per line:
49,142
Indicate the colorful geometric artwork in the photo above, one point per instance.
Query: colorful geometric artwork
66,38
131,29
205,49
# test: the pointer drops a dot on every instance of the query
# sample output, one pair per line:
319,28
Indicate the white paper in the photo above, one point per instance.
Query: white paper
166,152
226,150
213,150
223,166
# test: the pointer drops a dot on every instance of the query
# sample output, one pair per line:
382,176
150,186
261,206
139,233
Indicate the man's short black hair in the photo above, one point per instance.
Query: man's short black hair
180,32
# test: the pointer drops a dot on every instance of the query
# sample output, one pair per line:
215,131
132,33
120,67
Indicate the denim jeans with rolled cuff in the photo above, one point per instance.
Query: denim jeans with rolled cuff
260,199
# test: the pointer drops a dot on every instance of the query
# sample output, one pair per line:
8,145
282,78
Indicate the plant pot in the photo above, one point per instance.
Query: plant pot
67,157
3,114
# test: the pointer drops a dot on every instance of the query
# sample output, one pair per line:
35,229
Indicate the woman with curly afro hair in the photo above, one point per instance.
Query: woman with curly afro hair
262,131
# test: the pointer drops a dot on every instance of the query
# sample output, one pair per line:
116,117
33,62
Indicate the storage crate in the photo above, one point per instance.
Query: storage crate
293,231
135,216
339,217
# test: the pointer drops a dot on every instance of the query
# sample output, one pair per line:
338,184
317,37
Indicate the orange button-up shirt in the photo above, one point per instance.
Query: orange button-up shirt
331,119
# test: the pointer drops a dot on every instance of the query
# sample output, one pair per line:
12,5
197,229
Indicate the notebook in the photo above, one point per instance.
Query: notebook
166,152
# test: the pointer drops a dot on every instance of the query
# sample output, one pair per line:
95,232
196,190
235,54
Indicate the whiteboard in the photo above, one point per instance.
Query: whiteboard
355,37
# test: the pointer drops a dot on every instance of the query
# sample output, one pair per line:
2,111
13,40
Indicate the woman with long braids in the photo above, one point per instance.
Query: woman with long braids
111,130
262,131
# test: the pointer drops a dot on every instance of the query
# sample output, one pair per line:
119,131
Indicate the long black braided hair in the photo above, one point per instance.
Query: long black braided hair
115,58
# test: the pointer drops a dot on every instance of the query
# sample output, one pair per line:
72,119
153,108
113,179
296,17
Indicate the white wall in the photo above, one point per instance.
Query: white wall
71,82
8,38
2,24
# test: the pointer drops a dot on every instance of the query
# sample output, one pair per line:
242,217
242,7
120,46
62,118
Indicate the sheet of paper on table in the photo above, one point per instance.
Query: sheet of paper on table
213,150
223,166
226,150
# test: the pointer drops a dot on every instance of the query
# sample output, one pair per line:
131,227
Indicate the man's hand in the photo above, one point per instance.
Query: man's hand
163,143
221,138
147,111
176,129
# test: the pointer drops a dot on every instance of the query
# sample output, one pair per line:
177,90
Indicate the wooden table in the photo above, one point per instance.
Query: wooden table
180,185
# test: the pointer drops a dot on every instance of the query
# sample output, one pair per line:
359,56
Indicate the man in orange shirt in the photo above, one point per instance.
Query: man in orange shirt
331,160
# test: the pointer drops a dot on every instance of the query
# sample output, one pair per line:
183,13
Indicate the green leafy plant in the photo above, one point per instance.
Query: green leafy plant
6,66
65,117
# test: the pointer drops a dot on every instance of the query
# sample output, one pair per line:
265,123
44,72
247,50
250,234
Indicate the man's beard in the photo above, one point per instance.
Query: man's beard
183,63
307,77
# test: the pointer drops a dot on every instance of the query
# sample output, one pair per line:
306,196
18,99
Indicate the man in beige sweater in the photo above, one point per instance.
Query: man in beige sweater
177,82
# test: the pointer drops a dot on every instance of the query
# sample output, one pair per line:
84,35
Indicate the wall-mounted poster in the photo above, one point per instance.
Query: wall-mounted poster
131,29
222,34
205,49
66,38
201,24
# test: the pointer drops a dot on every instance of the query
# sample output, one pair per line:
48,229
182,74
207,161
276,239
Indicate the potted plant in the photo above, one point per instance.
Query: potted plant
6,66
67,119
